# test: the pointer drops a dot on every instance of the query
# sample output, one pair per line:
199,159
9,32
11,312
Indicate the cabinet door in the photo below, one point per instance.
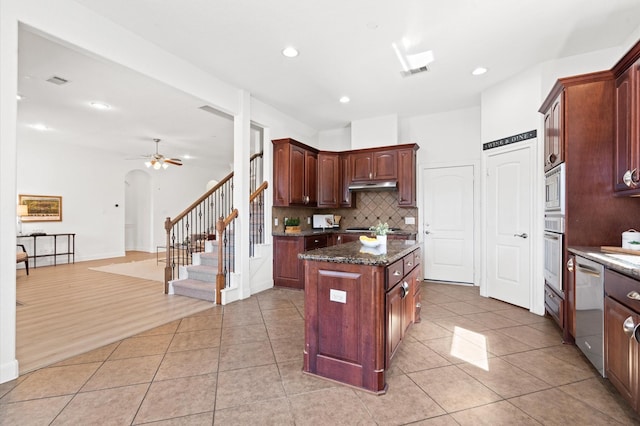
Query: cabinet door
385,165
311,178
626,146
297,176
395,314
361,167
328,180
407,178
347,199
281,174
553,137
287,268
620,358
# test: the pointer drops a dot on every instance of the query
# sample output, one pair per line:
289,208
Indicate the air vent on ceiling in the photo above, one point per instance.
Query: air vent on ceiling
414,71
57,80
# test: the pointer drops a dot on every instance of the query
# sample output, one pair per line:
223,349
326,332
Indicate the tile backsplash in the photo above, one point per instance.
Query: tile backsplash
371,207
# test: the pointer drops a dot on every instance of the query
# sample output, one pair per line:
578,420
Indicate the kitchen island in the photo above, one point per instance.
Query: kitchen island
359,303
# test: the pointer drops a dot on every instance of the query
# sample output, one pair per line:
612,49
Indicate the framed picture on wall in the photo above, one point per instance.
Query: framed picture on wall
41,208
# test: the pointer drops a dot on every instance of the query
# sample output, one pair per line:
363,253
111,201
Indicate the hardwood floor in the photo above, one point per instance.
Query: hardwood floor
66,310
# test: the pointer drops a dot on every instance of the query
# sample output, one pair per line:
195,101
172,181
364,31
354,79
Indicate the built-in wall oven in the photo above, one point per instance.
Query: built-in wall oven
554,209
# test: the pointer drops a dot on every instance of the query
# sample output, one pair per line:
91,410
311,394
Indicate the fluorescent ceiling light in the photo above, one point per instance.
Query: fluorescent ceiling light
345,100
100,105
290,52
479,71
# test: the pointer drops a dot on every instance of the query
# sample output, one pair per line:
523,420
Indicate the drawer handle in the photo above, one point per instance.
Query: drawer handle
396,273
628,326
409,263
316,241
551,295
418,305
405,289
633,295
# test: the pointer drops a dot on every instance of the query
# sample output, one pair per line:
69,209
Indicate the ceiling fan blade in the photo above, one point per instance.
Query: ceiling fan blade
174,161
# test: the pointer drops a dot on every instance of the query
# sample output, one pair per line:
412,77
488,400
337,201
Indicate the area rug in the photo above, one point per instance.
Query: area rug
145,269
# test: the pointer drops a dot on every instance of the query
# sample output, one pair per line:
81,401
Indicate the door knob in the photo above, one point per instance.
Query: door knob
523,235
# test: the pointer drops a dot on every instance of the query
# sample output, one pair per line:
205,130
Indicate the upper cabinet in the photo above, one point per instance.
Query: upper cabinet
328,179
627,139
370,166
553,139
295,174
304,176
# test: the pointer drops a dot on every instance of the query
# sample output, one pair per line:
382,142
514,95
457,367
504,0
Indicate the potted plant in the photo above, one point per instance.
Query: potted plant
292,225
381,230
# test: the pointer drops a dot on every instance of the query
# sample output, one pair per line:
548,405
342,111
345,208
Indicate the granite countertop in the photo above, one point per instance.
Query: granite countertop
307,232
356,253
627,264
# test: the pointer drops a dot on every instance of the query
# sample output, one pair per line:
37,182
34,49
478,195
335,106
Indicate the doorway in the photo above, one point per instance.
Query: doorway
509,187
137,211
449,223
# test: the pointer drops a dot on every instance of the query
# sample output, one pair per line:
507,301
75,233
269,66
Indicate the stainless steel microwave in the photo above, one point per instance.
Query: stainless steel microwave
554,189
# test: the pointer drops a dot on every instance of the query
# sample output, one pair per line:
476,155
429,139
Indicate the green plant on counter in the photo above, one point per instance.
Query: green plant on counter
293,221
380,228
634,242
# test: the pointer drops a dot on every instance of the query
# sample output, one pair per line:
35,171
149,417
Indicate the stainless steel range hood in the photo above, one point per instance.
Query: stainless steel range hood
374,186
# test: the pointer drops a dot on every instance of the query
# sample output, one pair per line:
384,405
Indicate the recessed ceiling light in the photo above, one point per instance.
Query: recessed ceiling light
345,100
100,105
40,127
479,71
290,52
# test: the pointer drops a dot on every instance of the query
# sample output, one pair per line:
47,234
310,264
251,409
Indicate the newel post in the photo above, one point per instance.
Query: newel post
167,265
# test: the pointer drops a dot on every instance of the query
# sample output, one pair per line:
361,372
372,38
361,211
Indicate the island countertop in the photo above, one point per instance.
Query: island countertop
356,253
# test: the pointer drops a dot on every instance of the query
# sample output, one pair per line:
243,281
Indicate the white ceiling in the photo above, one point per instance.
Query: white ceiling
345,49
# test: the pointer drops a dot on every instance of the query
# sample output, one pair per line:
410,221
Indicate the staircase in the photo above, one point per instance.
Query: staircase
200,277
197,273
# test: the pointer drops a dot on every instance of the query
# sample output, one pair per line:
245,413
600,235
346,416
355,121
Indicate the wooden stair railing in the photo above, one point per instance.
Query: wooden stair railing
221,225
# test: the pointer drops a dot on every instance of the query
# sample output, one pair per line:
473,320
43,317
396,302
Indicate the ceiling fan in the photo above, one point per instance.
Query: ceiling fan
158,160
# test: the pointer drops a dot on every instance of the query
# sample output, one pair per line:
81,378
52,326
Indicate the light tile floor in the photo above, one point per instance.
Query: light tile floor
471,361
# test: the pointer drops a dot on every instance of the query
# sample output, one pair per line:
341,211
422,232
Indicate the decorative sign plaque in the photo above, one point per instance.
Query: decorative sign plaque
511,139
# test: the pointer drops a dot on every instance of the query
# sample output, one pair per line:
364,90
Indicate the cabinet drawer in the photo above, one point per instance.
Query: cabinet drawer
623,289
554,305
417,257
312,242
409,263
395,272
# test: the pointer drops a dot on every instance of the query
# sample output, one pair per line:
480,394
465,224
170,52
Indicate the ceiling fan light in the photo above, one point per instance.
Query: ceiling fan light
157,165
147,163
165,165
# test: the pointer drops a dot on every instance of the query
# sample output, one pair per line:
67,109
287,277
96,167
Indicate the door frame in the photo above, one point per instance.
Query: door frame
475,164
536,277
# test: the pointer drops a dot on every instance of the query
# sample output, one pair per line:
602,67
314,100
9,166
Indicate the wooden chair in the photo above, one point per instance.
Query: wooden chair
22,256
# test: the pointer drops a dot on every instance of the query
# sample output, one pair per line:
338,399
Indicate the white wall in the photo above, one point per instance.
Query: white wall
335,139
71,23
376,131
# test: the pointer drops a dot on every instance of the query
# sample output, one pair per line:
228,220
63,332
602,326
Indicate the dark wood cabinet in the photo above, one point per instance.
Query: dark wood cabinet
347,200
287,268
295,174
370,166
329,180
627,137
621,352
356,316
553,137
407,177
622,335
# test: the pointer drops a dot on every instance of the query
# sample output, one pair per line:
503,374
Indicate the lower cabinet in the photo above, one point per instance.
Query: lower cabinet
622,335
287,268
554,305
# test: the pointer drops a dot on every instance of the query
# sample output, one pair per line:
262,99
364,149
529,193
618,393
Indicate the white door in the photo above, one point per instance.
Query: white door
448,223
508,223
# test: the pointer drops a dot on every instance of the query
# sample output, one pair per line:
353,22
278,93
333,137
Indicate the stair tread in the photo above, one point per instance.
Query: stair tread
190,282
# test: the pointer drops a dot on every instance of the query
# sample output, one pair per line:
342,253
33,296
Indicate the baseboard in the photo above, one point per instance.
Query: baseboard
9,371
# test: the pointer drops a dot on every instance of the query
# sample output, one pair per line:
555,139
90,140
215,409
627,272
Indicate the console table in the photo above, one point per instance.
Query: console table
70,253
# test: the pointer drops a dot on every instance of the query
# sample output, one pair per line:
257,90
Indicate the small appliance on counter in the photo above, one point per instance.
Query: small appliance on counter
324,221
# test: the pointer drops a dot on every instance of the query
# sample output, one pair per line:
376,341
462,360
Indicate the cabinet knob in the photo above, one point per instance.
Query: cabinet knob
628,326
396,273
570,265
551,158
630,178
404,288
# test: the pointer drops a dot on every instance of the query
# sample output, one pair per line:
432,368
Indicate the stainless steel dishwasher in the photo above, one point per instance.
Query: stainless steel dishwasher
590,311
